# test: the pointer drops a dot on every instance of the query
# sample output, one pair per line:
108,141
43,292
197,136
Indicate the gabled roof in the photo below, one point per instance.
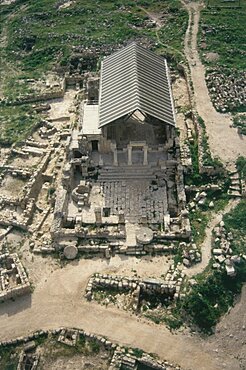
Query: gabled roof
132,79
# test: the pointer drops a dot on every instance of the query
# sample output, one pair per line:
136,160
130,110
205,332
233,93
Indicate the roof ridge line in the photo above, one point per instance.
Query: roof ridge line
137,73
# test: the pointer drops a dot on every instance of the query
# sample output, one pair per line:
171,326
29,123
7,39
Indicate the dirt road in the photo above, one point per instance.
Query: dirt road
224,140
58,297
58,301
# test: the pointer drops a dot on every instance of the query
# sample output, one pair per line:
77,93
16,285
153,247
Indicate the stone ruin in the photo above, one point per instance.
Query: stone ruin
27,169
120,356
68,337
28,359
168,287
114,178
18,205
38,90
115,190
13,278
236,188
123,360
222,252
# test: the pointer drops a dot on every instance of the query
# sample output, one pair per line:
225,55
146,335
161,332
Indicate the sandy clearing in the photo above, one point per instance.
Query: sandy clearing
58,301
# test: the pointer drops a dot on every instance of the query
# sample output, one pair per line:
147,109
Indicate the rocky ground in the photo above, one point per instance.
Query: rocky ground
58,298
224,140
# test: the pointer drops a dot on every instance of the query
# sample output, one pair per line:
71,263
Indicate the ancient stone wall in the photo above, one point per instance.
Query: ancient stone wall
169,286
10,264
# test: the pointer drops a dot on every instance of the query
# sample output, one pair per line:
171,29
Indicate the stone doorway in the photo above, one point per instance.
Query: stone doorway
94,145
137,155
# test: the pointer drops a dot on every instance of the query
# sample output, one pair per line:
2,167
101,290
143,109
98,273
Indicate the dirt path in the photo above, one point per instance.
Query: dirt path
58,301
155,17
224,141
58,297
206,245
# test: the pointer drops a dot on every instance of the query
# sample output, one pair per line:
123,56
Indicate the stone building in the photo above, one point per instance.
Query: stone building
133,122
123,160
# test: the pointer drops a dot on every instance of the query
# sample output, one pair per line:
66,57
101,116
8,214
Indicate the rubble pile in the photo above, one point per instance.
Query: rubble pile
191,254
199,200
222,251
227,89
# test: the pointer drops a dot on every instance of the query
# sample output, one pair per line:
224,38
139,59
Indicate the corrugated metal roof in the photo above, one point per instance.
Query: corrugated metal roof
135,78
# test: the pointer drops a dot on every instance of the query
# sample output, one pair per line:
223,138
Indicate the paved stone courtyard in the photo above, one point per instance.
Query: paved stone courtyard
136,199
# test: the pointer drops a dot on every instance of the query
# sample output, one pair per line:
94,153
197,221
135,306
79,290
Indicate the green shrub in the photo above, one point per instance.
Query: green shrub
215,291
95,346
241,166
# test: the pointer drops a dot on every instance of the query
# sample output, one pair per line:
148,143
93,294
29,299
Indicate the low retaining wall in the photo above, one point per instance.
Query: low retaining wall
168,286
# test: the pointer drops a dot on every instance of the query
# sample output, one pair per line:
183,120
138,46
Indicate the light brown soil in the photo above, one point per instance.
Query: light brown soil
11,186
75,363
145,267
29,162
60,107
230,336
61,357
58,297
58,301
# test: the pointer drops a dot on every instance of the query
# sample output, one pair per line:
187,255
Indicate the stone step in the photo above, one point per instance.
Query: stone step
235,193
118,177
127,170
137,173
235,187
235,178
114,173
234,175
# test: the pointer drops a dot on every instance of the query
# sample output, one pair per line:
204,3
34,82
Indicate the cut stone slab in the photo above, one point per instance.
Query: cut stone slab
186,262
230,270
70,252
144,235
